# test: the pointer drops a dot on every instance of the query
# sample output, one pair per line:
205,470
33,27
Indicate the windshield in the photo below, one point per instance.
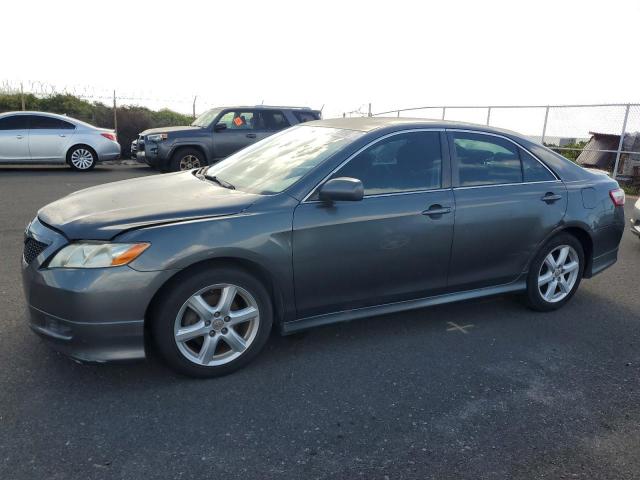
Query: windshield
206,118
277,162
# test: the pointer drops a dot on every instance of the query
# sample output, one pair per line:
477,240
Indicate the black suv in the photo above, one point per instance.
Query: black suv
215,134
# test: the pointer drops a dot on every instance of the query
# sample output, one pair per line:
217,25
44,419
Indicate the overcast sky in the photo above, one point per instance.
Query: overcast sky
341,54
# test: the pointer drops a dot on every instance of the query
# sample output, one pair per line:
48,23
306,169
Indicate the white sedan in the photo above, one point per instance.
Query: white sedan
47,138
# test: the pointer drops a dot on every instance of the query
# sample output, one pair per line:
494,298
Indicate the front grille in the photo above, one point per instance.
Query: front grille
32,248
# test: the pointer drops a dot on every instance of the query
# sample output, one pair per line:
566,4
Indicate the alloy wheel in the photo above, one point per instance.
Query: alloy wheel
558,273
82,159
189,161
216,325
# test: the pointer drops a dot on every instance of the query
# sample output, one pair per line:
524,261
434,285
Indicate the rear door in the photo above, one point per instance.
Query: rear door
240,132
49,138
507,203
14,139
269,122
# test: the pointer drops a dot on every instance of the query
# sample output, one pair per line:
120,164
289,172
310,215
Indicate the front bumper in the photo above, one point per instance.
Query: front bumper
94,315
88,341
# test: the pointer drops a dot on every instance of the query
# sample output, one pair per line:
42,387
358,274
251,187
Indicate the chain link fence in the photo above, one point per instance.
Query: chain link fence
602,136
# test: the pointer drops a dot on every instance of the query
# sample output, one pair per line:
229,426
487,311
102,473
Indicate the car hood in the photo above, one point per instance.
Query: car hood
104,211
169,129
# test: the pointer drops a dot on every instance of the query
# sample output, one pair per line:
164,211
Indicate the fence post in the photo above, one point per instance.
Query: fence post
22,96
488,115
194,106
369,114
620,144
444,110
544,127
115,113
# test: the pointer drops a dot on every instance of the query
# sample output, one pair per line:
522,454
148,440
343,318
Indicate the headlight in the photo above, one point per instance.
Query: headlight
157,137
97,255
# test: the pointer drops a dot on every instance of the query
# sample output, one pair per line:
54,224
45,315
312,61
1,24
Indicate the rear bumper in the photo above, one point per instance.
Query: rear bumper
606,242
108,150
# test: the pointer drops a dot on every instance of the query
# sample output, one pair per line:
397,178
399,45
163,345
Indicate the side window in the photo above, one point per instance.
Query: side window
273,120
485,160
399,163
533,170
238,120
304,116
38,122
14,122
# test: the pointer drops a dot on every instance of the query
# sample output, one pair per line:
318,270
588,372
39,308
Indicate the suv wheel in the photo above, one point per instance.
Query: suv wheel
81,158
212,322
187,159
555,273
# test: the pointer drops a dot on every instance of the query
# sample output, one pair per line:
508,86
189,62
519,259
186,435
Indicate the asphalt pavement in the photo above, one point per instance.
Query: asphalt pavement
477,390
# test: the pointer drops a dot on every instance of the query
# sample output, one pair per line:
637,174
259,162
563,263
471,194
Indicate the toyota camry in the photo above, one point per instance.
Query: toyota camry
330,221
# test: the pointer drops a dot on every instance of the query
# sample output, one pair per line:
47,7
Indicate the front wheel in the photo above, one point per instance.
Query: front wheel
555,273
212,322
187,159
82,158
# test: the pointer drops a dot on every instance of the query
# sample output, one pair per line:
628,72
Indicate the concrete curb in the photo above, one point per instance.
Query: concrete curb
121,162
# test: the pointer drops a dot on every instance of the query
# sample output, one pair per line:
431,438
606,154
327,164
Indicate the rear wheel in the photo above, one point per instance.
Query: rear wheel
187,159
555,273
213,322
82,158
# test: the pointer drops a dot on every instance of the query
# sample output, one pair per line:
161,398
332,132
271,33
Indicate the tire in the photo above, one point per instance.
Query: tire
82,158
551,288
186,159
210,345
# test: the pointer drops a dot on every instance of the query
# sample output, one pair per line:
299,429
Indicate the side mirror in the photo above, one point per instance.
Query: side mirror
219,127
343,189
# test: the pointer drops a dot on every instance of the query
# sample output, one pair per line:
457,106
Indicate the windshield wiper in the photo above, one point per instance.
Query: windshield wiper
219,181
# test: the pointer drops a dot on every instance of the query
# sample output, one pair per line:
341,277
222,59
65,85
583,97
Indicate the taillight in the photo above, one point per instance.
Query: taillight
110,136
617,197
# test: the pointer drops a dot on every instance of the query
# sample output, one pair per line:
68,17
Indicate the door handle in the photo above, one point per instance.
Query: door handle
251,135
551,197
436,210
19,137
62,135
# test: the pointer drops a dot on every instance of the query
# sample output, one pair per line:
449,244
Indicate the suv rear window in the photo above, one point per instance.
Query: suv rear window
304,116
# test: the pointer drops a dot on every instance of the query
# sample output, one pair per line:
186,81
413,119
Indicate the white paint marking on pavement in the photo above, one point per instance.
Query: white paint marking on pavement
461,328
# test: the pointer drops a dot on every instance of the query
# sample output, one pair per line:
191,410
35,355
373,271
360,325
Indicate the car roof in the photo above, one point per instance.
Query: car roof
264,107
66,118
33,112
368,124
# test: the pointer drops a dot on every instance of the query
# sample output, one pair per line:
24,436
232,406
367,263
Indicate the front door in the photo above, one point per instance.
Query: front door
49,138
14,139
385,248
240,132
507,203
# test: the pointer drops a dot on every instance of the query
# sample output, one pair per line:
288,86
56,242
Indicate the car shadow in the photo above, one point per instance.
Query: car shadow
355,335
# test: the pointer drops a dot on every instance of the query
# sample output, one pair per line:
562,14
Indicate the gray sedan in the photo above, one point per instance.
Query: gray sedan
47,138
325,222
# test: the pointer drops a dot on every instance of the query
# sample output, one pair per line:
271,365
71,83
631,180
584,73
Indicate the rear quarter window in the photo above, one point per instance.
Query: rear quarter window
533,170
306,116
